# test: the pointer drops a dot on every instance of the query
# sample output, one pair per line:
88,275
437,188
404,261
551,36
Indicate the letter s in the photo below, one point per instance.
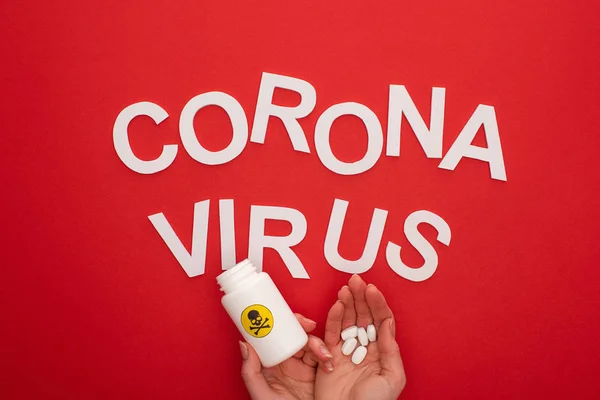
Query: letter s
421,244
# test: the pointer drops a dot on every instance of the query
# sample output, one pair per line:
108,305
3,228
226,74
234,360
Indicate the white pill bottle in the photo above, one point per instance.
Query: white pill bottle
261,314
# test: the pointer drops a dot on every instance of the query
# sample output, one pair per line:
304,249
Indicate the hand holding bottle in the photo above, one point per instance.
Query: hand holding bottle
292,379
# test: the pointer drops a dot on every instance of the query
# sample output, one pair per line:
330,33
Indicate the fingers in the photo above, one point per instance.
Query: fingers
317,353
333,326
389,354
345,296
307,324
378,306
358,287
251,374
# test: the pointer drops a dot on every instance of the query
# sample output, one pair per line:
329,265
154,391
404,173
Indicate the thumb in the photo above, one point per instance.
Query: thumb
389,353
251,373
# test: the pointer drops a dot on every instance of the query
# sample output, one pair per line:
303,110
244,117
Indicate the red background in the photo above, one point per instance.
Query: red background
94,305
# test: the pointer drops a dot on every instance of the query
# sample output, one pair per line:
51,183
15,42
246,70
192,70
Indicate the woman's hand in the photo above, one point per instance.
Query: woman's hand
380,376
292,379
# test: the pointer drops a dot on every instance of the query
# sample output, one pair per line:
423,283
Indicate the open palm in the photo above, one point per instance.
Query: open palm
380,376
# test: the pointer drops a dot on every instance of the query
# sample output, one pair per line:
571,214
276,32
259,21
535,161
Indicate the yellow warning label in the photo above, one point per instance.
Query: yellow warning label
257,320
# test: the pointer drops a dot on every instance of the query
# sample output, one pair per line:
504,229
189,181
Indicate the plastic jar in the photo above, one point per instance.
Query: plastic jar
261,314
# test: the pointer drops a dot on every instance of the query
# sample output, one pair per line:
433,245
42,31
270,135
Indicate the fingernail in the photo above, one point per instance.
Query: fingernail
325,352
310,321
393,327
244,350
328,365
373,286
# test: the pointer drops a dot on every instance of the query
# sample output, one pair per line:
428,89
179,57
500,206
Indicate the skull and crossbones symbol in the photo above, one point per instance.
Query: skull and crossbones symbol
257,321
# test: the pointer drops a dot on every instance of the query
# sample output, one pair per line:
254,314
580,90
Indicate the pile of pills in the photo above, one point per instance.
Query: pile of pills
355,335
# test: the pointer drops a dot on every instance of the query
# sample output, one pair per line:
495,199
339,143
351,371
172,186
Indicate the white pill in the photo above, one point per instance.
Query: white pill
362,337
349,346
359,355
350,332
371,333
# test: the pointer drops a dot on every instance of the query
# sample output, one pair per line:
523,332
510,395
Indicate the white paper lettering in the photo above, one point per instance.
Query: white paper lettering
400,103
227,230
281,244
420,244
192,263
334,232
462,147
239,124
374,144
123,147
288,115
